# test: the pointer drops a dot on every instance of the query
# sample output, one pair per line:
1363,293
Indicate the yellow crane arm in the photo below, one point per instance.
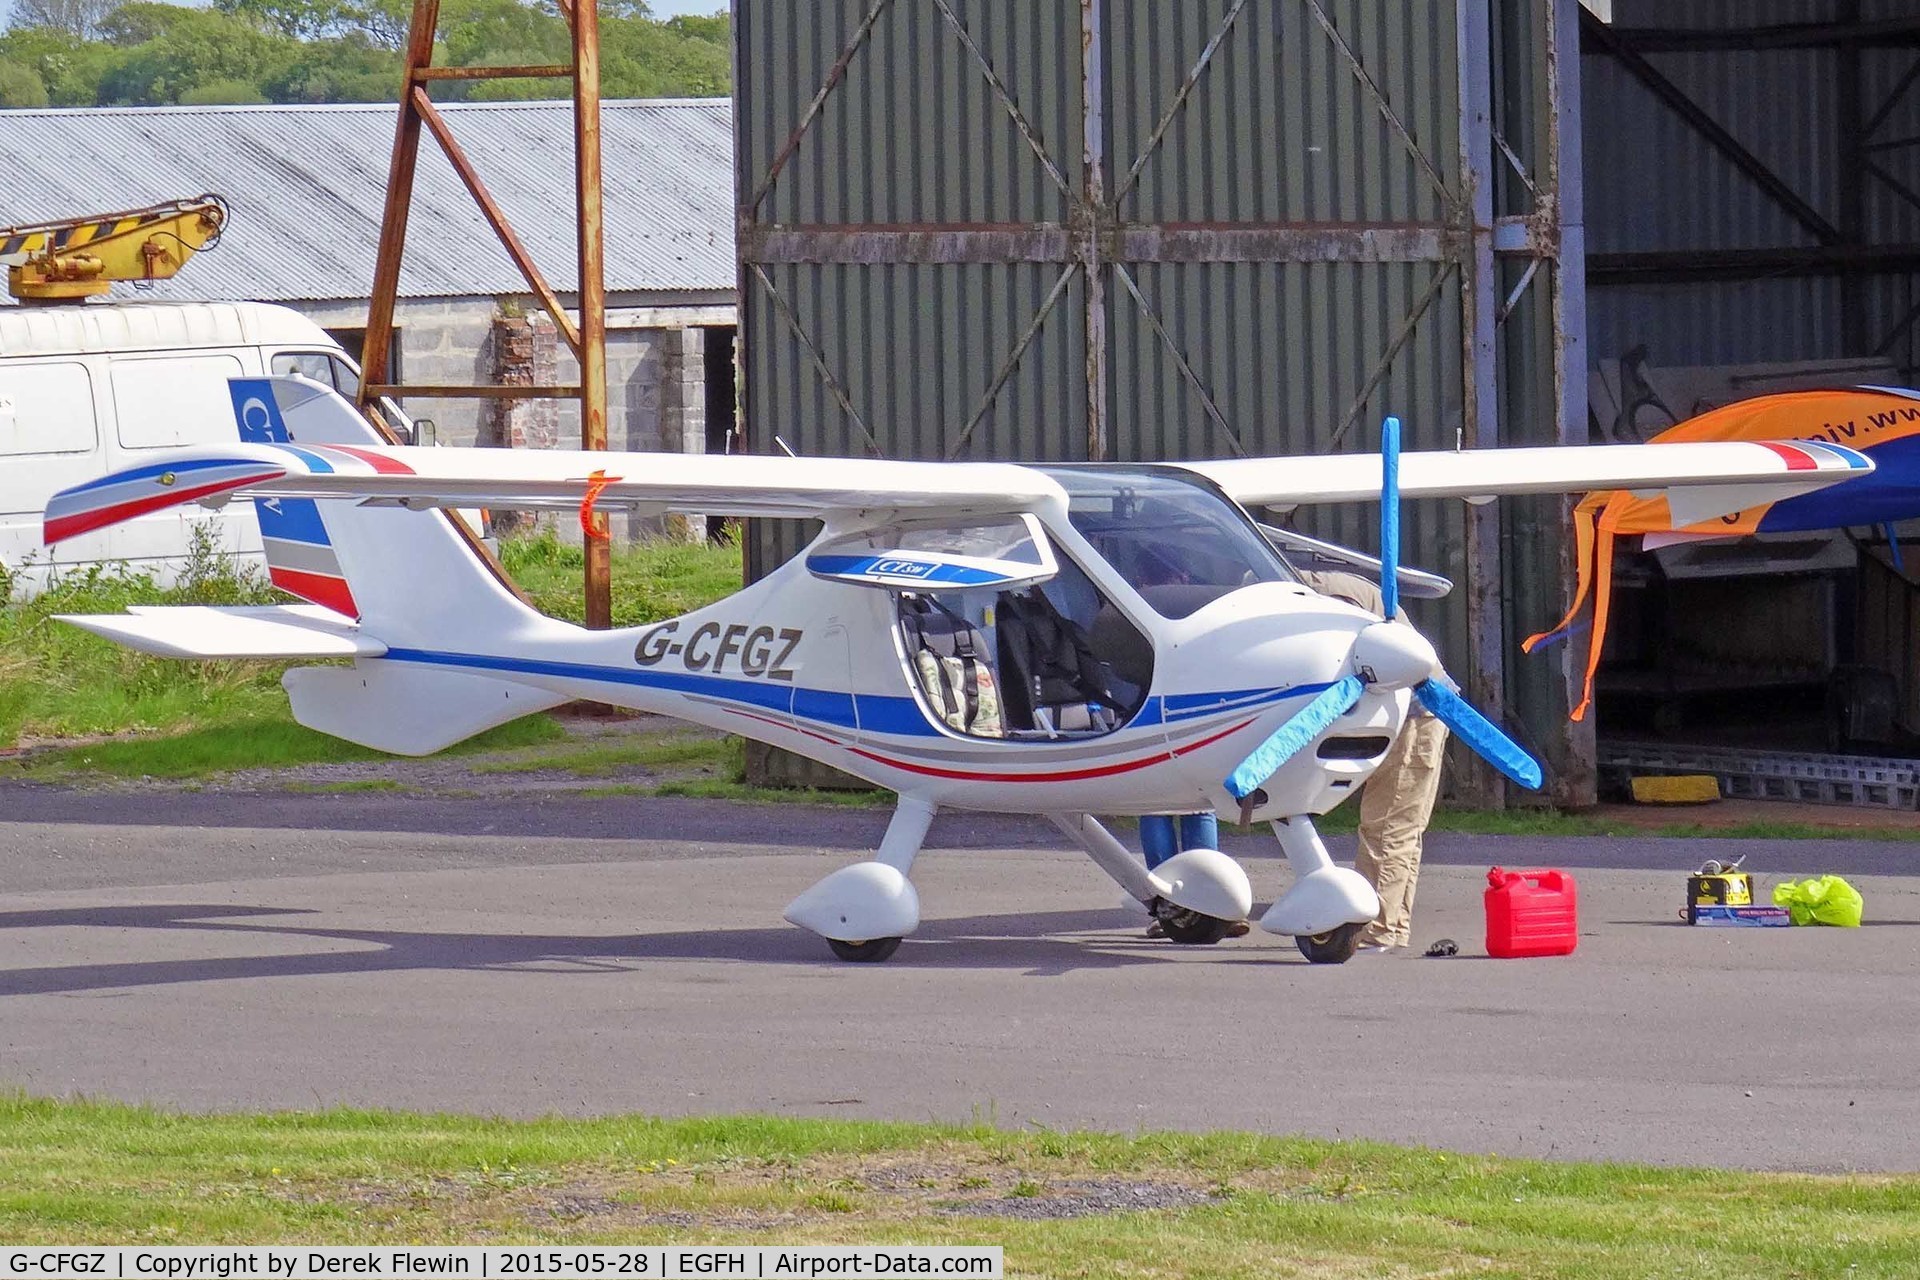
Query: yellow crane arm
80,257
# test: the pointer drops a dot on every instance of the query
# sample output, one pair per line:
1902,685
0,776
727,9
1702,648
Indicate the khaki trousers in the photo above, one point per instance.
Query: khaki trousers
1395,807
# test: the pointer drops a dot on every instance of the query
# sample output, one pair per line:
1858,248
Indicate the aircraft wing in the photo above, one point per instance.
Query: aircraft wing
727,485
1719,477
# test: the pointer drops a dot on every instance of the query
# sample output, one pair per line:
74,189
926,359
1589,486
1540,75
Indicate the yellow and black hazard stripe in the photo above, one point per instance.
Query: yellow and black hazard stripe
77,235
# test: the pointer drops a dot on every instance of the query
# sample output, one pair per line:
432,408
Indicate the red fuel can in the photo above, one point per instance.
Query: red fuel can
1531,913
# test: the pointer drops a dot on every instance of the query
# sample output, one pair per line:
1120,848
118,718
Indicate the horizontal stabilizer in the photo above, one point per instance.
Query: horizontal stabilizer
263,631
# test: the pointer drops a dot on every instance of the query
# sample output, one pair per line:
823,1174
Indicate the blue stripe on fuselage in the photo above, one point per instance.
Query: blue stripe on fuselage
872,713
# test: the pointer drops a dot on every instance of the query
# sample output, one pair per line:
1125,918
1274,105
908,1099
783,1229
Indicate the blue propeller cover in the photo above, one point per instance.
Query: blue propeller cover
1487,739
1306,724
1390,517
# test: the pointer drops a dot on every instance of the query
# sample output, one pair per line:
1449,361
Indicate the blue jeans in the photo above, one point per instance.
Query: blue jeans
1162,837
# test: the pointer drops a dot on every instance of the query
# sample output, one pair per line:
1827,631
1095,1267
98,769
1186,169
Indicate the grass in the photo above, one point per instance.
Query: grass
60,682
57,681
595,759
83,1172
256,742
651,580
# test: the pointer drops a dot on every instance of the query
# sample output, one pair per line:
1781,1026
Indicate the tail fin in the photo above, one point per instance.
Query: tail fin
412,578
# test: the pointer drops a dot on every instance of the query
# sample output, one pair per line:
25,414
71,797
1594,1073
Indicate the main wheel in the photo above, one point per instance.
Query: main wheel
1335,946
1191,929
870,952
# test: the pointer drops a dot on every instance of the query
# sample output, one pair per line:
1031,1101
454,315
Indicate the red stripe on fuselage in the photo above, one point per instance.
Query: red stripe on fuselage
380,462
1062,775
320,589
87,521
1796,459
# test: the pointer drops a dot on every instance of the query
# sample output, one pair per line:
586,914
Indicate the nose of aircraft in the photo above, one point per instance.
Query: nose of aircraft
1392,655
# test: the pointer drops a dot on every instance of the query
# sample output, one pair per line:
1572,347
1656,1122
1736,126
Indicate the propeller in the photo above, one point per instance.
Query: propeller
1391,655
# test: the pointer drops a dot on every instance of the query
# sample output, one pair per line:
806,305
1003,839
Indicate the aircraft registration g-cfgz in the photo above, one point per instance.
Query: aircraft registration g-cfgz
1065,640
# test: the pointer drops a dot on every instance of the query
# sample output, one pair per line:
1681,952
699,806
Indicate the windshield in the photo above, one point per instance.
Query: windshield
1176,540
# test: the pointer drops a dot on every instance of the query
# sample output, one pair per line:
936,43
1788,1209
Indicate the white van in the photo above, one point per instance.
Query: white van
86,389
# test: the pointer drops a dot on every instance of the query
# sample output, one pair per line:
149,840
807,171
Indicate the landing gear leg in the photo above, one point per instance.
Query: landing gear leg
863,911
1196,895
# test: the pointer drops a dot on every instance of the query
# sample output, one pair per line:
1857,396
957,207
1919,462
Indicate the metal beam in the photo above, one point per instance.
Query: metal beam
1127,242
1883,33
1088,212
376,352
1606,40
509,239
593,291
1486,674
495,391
1664,266
492,73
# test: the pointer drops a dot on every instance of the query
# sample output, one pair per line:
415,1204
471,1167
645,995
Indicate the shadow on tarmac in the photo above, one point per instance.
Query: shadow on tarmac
1026,943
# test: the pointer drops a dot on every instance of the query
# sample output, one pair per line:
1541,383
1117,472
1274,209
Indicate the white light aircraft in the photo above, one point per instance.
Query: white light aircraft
1065,640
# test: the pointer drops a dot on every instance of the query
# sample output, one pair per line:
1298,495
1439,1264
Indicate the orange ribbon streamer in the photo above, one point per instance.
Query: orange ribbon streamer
596,484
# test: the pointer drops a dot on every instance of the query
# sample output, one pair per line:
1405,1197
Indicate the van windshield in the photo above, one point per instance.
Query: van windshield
1174,538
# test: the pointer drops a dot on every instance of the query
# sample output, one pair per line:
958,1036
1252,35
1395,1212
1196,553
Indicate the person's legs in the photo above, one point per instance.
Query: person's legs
1159,839
1394,810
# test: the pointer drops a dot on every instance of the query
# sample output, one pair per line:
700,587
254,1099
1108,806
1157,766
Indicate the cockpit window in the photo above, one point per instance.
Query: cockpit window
1175,540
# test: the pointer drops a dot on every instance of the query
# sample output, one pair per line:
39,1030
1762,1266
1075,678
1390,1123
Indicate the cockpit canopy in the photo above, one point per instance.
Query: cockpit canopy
1173,537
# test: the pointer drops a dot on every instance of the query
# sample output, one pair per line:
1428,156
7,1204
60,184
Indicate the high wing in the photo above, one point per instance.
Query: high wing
1721,478
727,485
279,418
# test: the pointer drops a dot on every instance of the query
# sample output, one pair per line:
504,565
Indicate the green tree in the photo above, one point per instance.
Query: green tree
350,68
301,19
69,67
21,85
212,93
641,58
171,51
78,18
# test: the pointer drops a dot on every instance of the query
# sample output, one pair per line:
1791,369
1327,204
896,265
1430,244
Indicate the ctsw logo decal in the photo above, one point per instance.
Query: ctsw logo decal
762,652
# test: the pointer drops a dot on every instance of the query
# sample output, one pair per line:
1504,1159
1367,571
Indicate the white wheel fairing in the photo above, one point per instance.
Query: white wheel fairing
1207,881
1323,900
859,903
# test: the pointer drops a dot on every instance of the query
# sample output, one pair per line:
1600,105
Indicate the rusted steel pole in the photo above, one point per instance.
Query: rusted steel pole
1093,202
377,349
593,289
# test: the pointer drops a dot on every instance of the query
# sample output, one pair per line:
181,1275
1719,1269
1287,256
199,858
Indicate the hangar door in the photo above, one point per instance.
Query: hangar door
1133,230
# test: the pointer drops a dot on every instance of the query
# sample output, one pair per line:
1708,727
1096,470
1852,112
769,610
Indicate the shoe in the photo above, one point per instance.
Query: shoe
1373,949
1239,929
1156,930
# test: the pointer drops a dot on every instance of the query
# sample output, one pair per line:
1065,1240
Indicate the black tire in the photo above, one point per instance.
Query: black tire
1191,929
1335,946
872,952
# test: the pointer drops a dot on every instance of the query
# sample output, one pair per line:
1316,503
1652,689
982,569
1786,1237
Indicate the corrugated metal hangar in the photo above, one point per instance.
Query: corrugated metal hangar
1129,229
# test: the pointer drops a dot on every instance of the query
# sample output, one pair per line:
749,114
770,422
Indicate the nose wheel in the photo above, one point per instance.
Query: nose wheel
1191,928
1335,946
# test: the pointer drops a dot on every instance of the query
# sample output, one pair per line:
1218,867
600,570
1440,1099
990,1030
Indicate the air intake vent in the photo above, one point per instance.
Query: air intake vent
1365,747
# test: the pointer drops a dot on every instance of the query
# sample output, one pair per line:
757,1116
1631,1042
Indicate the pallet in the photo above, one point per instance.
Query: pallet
1871,782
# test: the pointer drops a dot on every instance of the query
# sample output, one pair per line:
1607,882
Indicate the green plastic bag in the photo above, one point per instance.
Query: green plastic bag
1821,900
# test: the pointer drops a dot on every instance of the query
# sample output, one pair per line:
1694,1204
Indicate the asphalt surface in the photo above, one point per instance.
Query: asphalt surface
222,952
